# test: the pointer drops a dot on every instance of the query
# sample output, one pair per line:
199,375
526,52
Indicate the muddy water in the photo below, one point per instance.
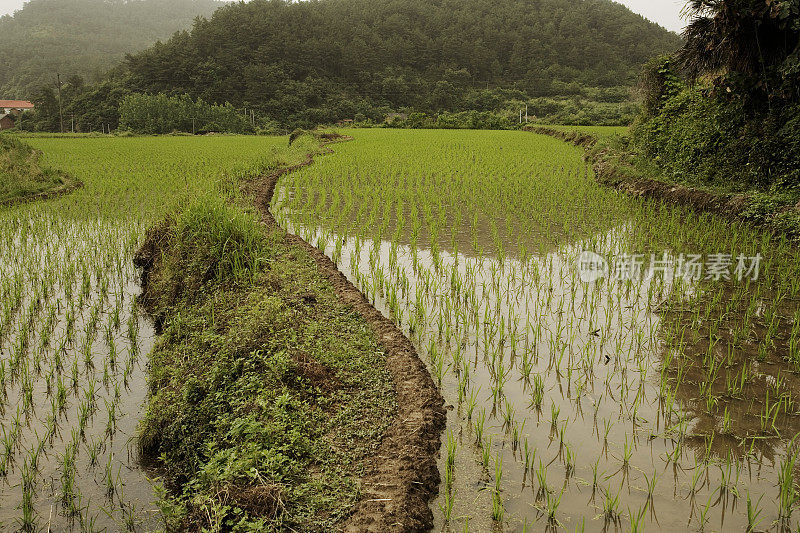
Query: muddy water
72,378
559,408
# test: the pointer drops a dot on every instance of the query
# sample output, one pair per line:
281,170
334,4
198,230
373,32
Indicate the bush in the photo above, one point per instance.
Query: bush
161,114
699,139
210,243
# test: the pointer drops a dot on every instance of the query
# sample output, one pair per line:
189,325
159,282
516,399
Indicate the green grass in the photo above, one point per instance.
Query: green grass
21,175
266,424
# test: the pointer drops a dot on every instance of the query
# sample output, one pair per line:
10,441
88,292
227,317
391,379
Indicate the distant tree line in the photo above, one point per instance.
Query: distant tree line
299,64
83,37
82,108
158,114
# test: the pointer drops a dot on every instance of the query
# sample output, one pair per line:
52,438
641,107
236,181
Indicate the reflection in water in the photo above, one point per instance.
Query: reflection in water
602,407
72,378
565,410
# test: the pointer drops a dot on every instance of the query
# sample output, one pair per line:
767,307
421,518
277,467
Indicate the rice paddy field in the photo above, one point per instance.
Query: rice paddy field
609,363
74,345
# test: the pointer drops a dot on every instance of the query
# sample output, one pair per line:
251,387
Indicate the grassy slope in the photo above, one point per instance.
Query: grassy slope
267,391
21,176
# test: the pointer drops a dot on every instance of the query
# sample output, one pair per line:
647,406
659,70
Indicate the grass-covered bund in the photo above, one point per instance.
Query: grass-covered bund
267,392
21,175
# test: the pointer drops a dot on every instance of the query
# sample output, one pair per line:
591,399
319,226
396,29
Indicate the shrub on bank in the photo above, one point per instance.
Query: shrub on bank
699,138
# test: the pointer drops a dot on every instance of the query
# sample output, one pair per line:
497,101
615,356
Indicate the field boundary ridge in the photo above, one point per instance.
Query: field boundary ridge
614,168
402,477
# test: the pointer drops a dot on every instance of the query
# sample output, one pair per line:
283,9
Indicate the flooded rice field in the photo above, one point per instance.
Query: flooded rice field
73,343
608,364
72,382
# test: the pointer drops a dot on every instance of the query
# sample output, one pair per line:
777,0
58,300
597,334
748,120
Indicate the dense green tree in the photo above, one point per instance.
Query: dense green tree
83,37
159,114
733,119
750,47
296,62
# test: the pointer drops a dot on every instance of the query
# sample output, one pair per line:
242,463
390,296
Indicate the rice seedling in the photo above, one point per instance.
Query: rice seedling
498,511
788,493
498,472
479,425
552,503
753,513
494,286
69,321
452,446
447,506
486,452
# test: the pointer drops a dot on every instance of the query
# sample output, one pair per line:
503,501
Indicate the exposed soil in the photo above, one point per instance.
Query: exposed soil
318,374
145,259
402,477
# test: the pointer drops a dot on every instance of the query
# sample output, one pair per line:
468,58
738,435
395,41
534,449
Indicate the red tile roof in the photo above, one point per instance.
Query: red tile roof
16,104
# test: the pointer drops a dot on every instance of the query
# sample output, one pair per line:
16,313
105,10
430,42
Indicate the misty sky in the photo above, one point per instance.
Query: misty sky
665,12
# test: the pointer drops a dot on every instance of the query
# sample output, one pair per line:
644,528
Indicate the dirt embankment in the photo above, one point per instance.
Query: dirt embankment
402,477
608,171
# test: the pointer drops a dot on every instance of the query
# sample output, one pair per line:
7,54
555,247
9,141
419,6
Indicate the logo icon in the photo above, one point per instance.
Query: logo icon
592,267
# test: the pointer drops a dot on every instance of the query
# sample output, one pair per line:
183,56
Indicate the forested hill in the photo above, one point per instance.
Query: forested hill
83,37
321,59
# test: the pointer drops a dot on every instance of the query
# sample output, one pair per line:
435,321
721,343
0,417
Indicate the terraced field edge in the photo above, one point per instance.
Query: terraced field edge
24,180
614,167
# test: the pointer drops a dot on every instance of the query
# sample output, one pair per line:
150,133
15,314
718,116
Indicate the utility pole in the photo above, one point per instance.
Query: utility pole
73,123
60,108
526,113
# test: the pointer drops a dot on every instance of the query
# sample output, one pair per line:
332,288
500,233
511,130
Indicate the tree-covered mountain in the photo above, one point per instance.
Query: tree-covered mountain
83,37
322,60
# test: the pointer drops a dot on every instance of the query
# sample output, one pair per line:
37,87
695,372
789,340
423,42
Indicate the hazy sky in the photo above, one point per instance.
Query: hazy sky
665,12
9,6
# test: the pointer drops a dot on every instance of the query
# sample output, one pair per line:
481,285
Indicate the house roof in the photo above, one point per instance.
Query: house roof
16,104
